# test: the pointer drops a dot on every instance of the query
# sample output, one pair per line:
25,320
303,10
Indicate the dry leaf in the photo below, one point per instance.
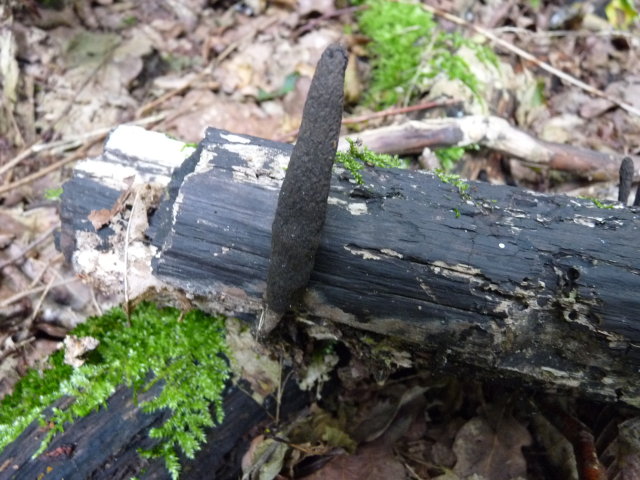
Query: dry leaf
99,218
76,347
371,462
494,454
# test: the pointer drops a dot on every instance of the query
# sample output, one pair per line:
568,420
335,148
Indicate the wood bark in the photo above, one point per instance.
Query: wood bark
103,445
513,284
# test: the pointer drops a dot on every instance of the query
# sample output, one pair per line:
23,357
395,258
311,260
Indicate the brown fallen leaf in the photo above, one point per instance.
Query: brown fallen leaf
495,454
371,462
100,218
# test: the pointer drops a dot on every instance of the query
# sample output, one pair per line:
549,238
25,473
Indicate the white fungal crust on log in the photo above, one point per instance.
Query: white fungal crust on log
542,288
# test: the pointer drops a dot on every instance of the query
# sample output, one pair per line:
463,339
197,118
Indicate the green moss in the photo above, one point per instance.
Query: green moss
358,156
409,49
184,353
459,183
455,180
600,204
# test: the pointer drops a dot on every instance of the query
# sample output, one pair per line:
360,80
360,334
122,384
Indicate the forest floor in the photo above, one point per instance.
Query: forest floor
72,70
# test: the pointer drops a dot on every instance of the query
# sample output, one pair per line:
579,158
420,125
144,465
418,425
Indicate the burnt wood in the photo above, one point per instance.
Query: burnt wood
536,287
103,445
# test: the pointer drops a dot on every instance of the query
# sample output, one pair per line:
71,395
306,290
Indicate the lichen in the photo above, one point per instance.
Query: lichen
185,353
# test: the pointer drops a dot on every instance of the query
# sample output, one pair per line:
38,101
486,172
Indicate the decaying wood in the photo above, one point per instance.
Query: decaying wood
104,444
496,134
535,287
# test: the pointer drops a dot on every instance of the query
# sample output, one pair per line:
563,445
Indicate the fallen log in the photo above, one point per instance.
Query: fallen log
105,443
538,288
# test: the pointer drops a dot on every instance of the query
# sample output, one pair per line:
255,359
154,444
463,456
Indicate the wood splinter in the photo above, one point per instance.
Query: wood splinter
302,203
626,179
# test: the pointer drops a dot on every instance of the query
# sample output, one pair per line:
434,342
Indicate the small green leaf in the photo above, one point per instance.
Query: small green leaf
188,145
53,193
288,86
621,13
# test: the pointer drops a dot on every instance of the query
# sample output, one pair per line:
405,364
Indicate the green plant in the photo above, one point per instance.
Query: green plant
449,156
184,353
358,156
408,48
599,203
188,145
452,179
456,181
130,21
53,193
621,13
288,86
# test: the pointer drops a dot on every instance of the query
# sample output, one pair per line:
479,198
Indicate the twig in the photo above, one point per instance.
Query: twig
527,56
399,110
381,114
26,293
44,171
29,247
54,166
315,21
47,287
68,143
566,33
94,301
281,386
126,257
41,273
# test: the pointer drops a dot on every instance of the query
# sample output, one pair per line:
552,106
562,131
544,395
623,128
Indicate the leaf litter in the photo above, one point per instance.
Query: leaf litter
90,66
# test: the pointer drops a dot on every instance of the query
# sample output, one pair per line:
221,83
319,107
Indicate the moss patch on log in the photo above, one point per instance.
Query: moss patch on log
184,352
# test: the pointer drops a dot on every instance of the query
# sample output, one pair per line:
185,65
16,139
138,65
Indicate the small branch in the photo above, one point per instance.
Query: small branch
399,111
68,143
381,114
26,293
36,310
30,247
95,136
126,257
494,133
565,33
